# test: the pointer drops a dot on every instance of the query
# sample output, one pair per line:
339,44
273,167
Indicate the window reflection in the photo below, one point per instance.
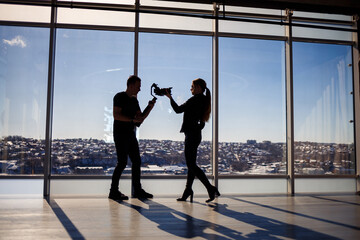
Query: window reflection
323,108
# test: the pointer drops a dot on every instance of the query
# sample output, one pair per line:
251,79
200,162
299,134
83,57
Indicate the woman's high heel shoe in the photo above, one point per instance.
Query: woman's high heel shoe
188,192
213,193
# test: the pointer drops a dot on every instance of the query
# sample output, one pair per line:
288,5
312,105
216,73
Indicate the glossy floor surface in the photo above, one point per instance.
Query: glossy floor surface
230,217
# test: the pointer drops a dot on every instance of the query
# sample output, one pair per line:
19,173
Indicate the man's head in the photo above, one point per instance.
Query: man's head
133,84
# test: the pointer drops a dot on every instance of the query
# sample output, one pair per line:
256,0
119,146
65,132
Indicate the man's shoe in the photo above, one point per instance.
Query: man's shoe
142,194
117,196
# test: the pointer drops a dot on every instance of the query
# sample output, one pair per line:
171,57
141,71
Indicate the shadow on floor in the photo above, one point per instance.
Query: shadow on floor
299,214
73,232
270,228
336,200
186,226
181,224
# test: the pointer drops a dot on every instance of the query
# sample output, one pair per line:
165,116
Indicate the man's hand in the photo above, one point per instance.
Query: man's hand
152,102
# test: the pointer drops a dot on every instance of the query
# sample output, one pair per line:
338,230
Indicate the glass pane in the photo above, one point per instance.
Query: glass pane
322,16
96,17
253,186
24,54
251,10
126,2
175,22
28,187
251,107
173,4
323,109
322,33
172,61
326,185
24,13
251,28
91,67
248,27
72,187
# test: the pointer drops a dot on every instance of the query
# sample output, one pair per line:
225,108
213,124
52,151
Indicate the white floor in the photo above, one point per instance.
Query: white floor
230,217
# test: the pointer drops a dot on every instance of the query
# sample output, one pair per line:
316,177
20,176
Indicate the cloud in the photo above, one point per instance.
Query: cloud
114,70
16,41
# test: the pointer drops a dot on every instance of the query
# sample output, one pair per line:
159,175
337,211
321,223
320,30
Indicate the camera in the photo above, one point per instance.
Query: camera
159,91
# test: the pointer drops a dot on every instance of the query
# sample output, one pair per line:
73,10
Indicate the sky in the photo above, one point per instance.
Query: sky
92,66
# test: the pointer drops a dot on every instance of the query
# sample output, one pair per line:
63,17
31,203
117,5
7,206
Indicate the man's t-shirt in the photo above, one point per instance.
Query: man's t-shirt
129,107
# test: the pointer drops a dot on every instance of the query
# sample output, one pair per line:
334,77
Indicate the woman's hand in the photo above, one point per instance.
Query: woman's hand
168,94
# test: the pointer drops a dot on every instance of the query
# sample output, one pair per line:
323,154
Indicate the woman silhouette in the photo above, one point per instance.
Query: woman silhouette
196,112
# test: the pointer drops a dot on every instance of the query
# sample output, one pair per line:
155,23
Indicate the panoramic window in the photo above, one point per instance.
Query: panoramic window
252,123
171,61
323,109
90,68
24,54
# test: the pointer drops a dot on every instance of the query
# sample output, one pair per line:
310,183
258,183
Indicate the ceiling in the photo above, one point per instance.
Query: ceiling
348,7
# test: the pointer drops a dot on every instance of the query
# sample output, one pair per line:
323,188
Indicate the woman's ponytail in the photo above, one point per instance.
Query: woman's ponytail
207,111
207,107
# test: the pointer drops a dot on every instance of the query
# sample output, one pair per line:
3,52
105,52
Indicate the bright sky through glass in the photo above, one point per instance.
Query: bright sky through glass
323,101
23,81
92,66
252,90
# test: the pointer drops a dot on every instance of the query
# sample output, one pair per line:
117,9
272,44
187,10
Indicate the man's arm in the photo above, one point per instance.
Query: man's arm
148,109
117,113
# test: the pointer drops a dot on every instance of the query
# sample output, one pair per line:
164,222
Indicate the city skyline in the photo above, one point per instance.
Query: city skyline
92,156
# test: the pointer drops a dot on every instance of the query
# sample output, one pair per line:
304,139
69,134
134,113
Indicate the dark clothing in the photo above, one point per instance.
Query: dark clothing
192,125
125,140
127,145
193,110
192,141
129,107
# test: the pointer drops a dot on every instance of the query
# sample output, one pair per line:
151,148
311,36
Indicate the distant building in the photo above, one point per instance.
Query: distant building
89,170
313,171
64,169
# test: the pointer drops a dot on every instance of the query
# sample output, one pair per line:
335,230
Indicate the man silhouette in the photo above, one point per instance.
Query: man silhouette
127,116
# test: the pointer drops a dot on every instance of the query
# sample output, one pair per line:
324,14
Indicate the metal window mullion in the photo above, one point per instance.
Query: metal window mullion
289,106
356,91
136,38
49,104
215,102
